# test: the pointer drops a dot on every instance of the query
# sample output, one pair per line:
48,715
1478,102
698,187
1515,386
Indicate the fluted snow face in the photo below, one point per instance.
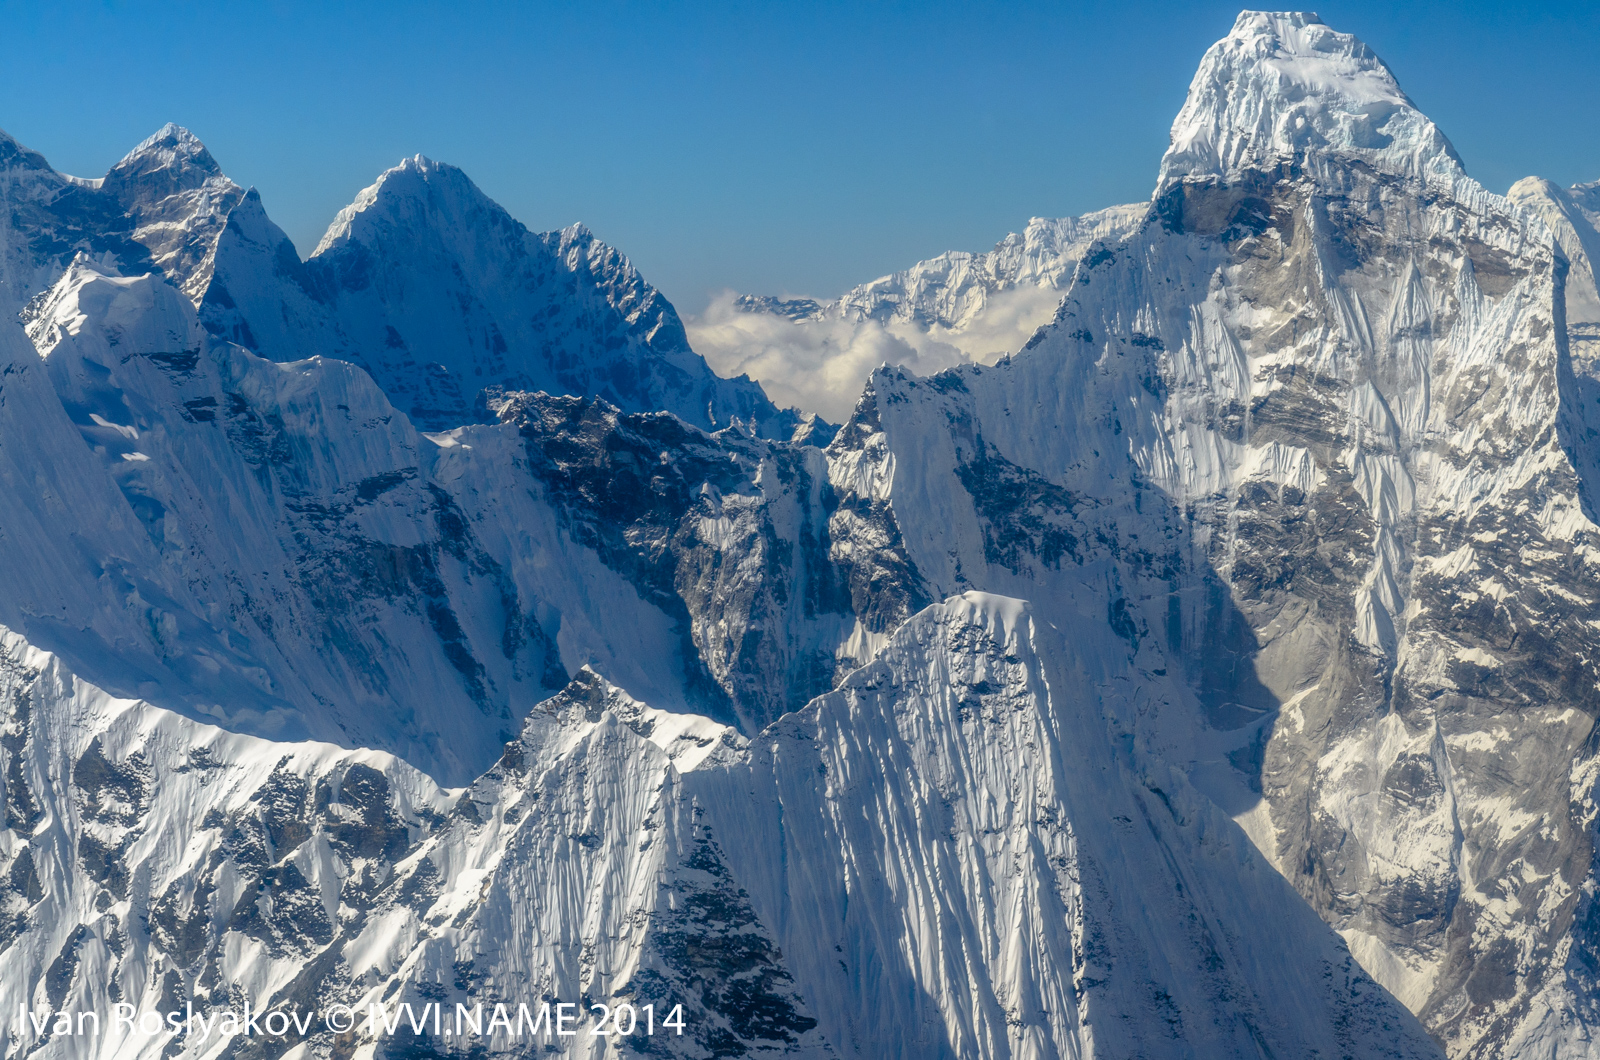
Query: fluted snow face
945,857
1313,437
167,863
1297,478
1283,87
1052,896
138,843
1042,714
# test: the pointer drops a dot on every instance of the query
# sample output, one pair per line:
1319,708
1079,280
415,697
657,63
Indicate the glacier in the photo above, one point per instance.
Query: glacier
1206,668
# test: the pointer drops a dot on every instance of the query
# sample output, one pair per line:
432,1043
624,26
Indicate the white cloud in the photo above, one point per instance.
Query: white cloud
821,365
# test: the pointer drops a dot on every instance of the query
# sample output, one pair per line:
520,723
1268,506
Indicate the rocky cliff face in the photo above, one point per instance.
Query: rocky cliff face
1212,676
178,200
622,855
1313,432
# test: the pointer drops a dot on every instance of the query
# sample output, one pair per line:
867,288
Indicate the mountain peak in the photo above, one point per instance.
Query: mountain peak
1284,86
446,194
14,156
172,151
171,162
170,135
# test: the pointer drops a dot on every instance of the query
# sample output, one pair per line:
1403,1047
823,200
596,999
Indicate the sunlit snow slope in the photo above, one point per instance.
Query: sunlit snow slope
1212,674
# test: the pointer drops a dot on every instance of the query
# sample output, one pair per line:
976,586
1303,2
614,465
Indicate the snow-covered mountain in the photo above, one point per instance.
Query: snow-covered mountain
424,282
1573,217
277,547
1213,675
178,200
618,854
953,309
439,293
1309,438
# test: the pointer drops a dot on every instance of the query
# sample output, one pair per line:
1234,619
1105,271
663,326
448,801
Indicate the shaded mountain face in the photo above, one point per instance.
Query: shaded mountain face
179,200
1573,217
162,207
438,293
50,219
426,284
1211,677
275,546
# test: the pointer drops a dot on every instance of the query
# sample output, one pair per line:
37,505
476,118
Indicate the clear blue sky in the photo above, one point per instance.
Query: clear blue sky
786,149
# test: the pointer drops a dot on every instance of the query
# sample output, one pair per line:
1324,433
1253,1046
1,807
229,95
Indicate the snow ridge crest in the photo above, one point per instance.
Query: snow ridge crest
1284,87
173,156
406,193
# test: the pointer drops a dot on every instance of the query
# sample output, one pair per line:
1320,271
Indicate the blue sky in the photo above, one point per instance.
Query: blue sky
795,148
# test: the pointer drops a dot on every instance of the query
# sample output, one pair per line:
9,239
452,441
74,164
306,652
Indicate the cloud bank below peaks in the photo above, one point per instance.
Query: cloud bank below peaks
820,363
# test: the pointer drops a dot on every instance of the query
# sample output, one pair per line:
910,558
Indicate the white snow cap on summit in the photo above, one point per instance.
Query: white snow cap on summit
1283,86
410,179
169,147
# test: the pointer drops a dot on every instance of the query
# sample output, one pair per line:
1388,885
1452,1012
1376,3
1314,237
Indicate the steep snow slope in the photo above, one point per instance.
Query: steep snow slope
50,218
1282,87
275,547
287,566
134,839
1295,484
194,865
620,854
423,281
1573,217
949,310
439,293
164,863
1307,439
1575,232
971,867
162,207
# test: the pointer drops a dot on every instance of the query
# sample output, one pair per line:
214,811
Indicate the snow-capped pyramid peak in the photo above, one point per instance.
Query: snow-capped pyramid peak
173,152
171,137
14,155
439,292
1283,86
441,187
178,199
